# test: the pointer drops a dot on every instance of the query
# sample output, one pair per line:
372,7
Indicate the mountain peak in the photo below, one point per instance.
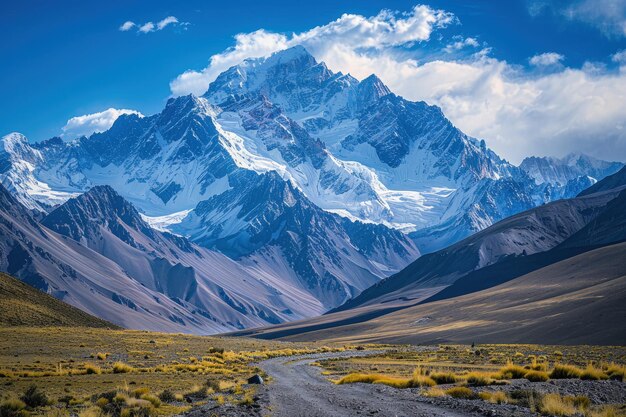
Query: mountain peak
13,140
81,217
297,52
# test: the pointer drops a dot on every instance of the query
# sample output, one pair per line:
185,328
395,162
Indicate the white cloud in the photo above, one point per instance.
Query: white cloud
546,59
126,26
619,57
96,122
608,16
516,112
146,27
328,42
151,26
167,21
460,44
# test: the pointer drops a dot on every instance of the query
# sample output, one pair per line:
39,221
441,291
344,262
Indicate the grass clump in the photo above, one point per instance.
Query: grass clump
496,397
444,377
616,372
34,397
478,379
512,371
167,396
13,407
91,369
122,368
417,380
557,405
461,392
565,371
593,374
434,392
537,376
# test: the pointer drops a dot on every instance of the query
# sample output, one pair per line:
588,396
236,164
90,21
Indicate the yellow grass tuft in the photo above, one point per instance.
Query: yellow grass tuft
593,373
461,392
479,379
565,371
512,371
536,376
496,397
122,368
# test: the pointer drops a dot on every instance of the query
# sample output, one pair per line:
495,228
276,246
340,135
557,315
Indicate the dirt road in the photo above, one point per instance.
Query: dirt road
298,389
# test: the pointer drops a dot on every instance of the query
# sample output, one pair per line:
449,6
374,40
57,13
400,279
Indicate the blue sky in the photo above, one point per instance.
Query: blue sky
68,58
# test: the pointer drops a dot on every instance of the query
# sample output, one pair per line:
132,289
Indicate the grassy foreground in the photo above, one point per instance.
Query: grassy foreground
124,373
476,373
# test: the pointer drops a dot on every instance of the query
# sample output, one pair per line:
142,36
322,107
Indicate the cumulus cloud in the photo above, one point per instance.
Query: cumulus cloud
460,44
151,26
126,26
330,42
169,20
619,57
95,122
518,113
546,59
608,16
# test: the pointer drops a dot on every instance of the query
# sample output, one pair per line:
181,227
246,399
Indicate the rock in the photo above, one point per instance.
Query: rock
255,379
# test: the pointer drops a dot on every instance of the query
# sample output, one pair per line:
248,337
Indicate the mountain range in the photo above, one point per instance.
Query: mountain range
285,191
553,274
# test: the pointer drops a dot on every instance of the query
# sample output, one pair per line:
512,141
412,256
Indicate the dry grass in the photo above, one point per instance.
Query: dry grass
461,392
444,377
555,405
593,373
565,371
512,371
478,379
139,364
536,376
416,381
495,397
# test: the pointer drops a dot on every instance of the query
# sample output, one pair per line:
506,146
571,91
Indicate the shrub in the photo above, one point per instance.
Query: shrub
526,398
511,371
461,392
34,397
536,376
167,396
102,356
152,399
443,377
91,369
122,368
13,408
91,412
137,393
196,393
565,371
434,392
593,373
497,397
478,379
616,372
417,380
555,405
214,384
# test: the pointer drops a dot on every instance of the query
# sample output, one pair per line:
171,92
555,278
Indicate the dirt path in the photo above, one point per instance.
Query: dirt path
298,389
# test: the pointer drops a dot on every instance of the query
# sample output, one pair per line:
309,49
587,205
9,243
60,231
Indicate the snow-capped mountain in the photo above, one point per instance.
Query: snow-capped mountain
269,221
560,171
306,179
96,252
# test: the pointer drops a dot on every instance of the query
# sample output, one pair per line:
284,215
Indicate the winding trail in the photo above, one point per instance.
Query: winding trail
299,390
